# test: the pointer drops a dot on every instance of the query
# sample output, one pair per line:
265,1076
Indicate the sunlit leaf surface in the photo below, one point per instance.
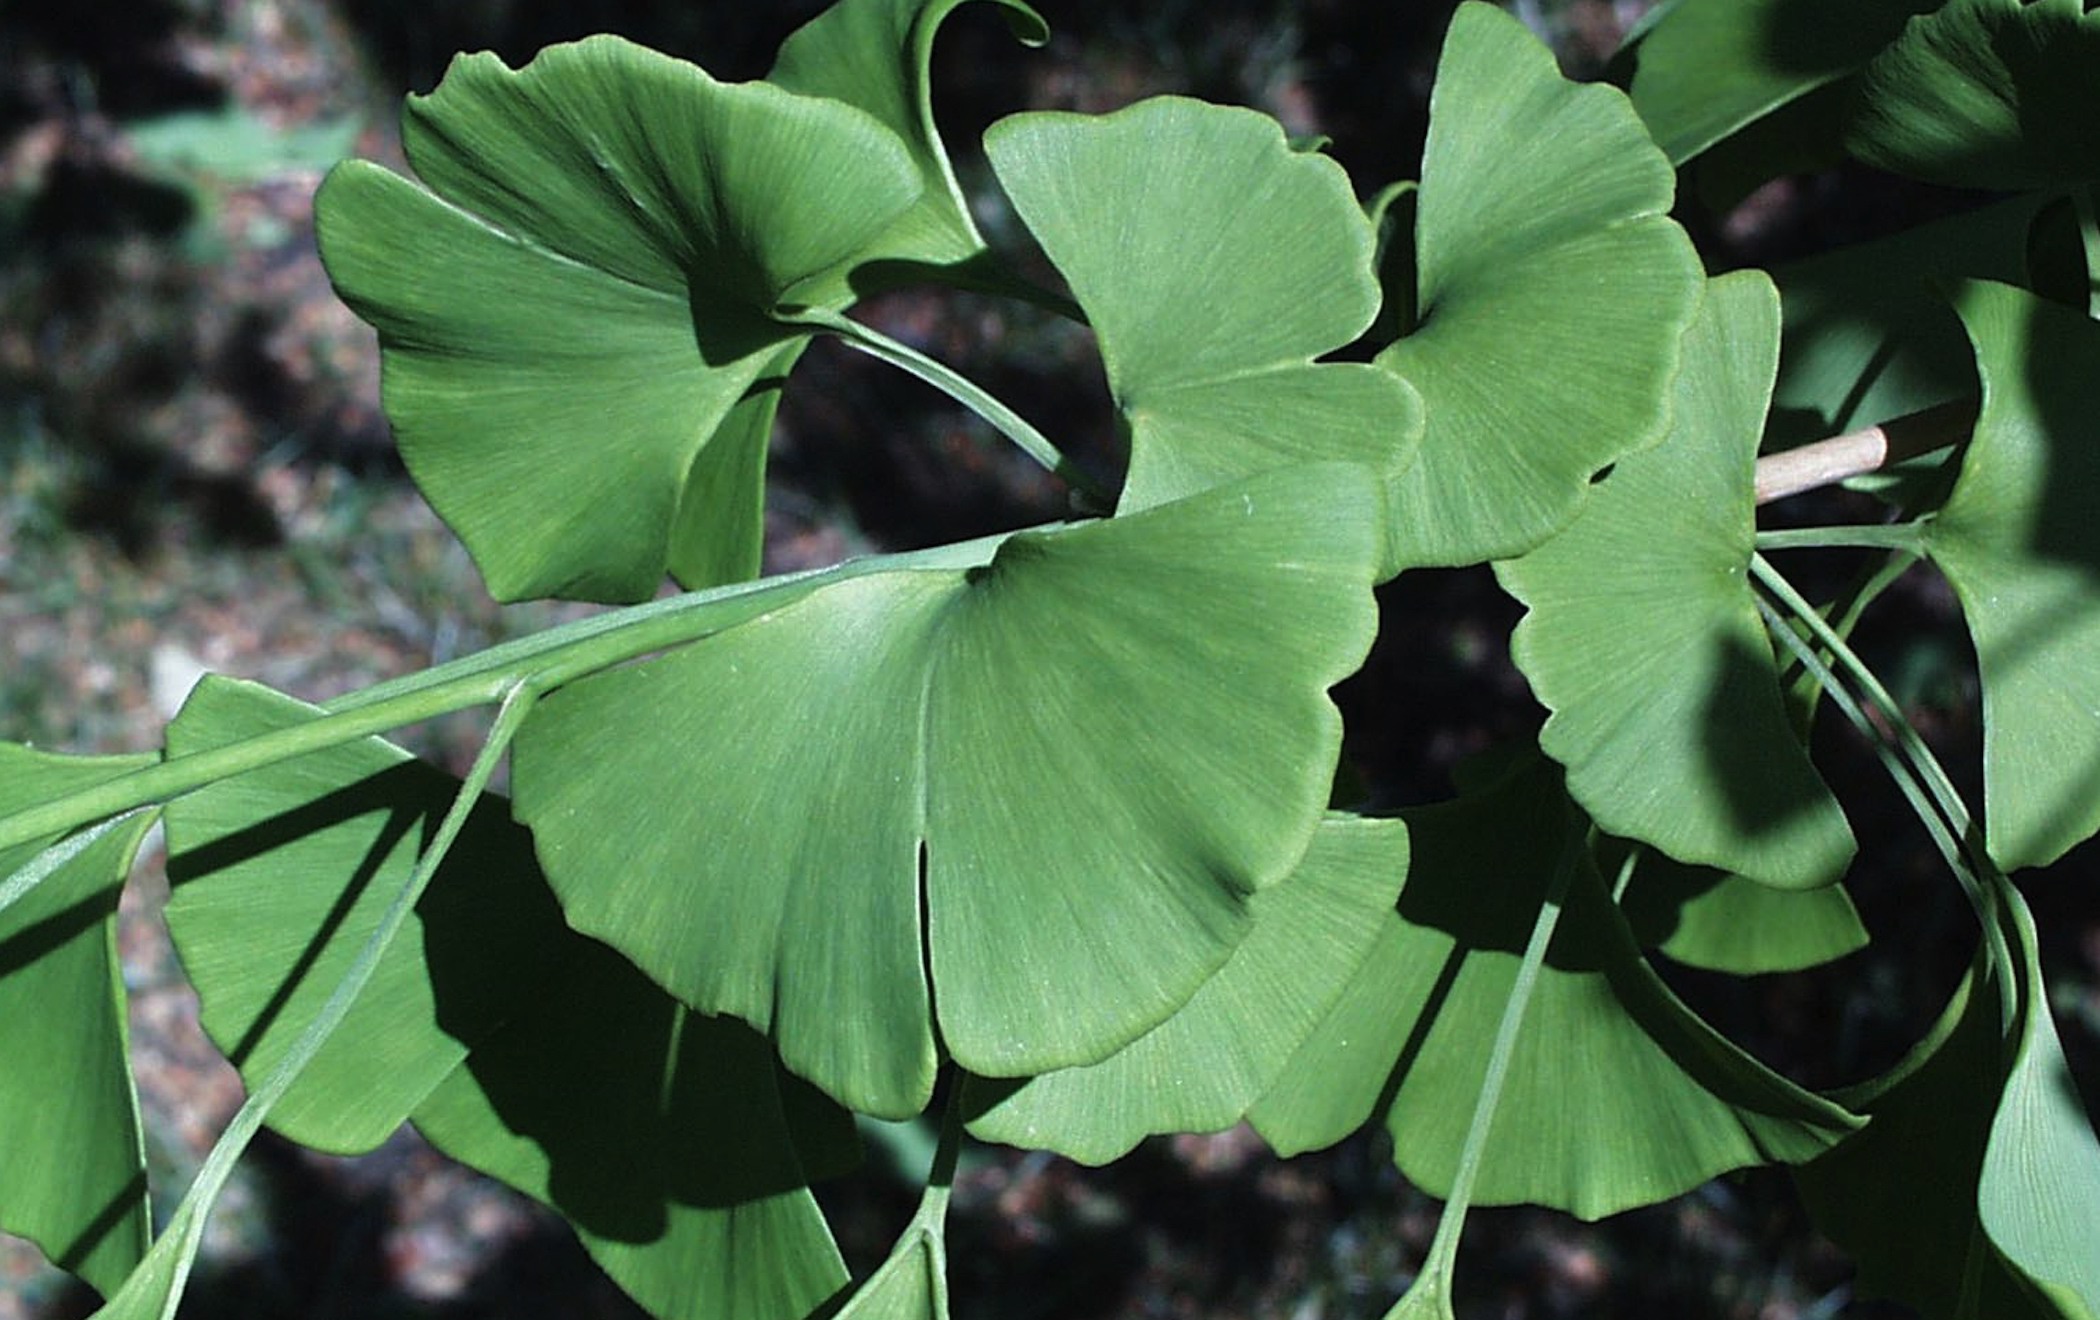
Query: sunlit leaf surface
1200,1069
584,288
875,54
1214,263
1553,291
1643,636
73,1169
1097,746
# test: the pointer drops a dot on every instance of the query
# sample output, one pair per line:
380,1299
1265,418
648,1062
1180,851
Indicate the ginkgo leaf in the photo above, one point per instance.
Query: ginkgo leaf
1869,335
1986,94
1617,1094
1096,746
1726,923
1200,1069
910,1284
1553,289
586,286
875,54
265,954
516,1045
1644,640
1705,69
73,1170
672,1142
2017,540
1214,263
1974,1192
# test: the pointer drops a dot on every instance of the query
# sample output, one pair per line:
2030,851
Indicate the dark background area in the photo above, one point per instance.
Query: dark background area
194,473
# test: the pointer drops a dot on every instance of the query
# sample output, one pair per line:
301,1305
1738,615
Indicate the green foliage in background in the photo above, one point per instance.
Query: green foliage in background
1042,831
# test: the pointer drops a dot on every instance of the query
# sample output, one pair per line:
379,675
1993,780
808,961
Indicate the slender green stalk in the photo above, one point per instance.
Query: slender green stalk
547,660
47,863
1443,1248
185,1233
1929,770
1905,536
1958,858
958,387
2088,210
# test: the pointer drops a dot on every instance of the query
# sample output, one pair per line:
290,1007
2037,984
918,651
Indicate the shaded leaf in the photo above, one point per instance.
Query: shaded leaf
1869,335
1706,69
517,1046
671,1141
1974,1192
1606,1049
73,1170
1986,94
1725,923
1214,263
875,54
1553,291
587,287
1200,1069
2017,540
277,878
1099,745
1644,640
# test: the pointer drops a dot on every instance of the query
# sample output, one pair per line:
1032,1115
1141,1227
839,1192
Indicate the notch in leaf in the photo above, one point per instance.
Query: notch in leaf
1096,746
1215,262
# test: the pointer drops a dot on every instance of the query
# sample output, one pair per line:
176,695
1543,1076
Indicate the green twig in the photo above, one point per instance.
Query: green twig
546,661
1908,537
186,1231
1960,860
1443,1248
958,387
2083,202
1934,776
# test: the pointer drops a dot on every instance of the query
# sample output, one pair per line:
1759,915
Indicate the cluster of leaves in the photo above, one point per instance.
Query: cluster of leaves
1044,828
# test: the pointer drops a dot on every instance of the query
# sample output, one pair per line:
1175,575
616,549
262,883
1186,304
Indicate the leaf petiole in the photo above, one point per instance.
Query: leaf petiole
546,660
959,387
1438,1265
155,1288
1908,537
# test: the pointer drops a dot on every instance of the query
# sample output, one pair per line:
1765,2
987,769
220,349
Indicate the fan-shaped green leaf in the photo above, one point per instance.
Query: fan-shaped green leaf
1554,288
1986,94
1200,1069
73,1171
1644,640
2017,539
278,876
875,54
910,1284
1726,923
671,1141
1214,262
518,1046
1974,1192
1096,746
1617,1095
584,291
1869,335
1707,68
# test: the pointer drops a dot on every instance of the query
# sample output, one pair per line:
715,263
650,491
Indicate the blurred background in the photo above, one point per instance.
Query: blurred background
195,474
